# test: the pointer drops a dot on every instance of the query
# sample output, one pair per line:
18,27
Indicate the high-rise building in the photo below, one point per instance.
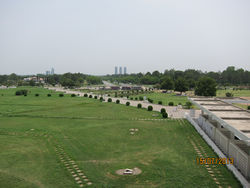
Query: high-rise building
116,70
47,73
125,70
120,70
52,71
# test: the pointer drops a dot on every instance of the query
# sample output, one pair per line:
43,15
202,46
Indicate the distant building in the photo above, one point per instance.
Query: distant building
52,72
115,87
125,70
120,70
116,70
47,73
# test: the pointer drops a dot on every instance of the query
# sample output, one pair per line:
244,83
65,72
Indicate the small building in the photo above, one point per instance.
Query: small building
115,87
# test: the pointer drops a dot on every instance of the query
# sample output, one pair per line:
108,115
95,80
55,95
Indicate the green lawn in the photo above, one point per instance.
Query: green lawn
236,93
96,136
164,97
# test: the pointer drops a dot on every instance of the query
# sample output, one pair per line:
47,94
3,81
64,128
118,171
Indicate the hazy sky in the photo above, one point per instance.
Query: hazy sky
93,36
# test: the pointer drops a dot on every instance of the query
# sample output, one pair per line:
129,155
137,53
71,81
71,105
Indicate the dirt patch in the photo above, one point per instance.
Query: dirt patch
135,171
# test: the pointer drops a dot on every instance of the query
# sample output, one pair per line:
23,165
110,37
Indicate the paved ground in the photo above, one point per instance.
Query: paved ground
173,111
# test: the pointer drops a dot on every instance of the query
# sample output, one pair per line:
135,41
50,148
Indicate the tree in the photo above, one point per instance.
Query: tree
167,83
206,87
181,85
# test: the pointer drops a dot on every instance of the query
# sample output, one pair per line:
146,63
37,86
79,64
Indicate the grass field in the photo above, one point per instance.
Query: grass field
165,98
236,93
40,135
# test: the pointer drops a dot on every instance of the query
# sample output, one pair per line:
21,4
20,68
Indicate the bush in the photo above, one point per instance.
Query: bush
22,92
131,98
109,100
73,95
115,94
228,94
139,105
163,110
108,95
36,94
117,101
49,95
90,96
95,97
101,99
159,102
61,95
188,105
127,97
170,104
141,98
25,95
150,108
150,100
248,107
85,95
179,103
127,103
136,98
121,96
165,115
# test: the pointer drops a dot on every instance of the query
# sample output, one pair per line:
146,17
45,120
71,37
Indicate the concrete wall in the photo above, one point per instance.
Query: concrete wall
210,142
227,146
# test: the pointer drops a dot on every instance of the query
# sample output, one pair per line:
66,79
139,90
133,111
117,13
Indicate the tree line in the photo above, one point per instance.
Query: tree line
67,80
230,76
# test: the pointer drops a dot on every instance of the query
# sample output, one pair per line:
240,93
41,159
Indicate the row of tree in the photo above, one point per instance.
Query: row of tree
230,76
66,80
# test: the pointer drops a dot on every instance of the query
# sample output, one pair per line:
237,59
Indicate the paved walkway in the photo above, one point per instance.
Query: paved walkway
173,111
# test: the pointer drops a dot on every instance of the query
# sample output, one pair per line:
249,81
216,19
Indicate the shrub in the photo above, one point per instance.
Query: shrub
73,95
117,101
165,115
131,98
136,98
108,95
121,96
22,92
163,110
179,103
150,100
61,95
90,96
109,100
139,105
170,104
36,94
25,95
127,103
228,94
159,102
101,99
49,95
188,105
248,107
95,97
85,95
127,97
150,108
141,98
115,94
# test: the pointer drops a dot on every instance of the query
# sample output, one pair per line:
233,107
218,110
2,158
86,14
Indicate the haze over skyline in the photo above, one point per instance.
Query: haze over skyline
93,37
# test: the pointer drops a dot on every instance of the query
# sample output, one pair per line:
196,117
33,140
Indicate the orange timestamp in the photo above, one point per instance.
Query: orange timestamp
220,161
